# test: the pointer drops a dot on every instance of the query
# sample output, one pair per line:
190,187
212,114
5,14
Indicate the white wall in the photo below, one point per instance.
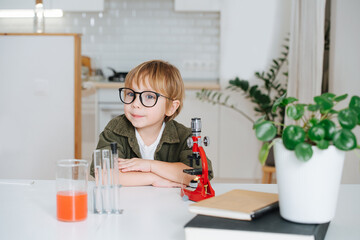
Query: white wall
344,66
252,33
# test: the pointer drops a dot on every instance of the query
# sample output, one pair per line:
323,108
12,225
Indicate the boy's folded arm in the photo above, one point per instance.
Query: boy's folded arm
144,179
136,178
172,171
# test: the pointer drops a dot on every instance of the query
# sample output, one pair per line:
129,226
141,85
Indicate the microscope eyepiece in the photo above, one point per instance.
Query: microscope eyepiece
196,126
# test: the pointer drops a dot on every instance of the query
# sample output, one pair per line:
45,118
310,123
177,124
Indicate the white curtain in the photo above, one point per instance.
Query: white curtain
306,49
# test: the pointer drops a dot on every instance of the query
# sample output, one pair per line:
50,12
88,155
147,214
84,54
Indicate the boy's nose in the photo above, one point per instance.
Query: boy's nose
136,103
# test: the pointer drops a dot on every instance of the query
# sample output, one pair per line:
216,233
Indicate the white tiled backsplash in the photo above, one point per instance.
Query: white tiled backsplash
129,32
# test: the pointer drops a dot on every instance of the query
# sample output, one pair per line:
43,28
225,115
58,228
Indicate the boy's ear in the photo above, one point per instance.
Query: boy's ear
173,107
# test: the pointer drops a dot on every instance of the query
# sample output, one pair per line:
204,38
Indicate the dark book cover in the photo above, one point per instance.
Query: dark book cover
271,223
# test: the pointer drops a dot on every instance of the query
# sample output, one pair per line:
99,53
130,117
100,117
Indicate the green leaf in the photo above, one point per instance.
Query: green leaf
316,133
295,112
344,140
265,131
313,107
261,98
219,97
323,102
347,118
264,152
329,96
330,128
355,104
322,144
303,151
324,112
313,121
340,98
244,85
289,100
253,90
208,93
292,136
258,121
214,95
278,102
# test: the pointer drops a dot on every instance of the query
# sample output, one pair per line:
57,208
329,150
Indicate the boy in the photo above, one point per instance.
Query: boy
152,146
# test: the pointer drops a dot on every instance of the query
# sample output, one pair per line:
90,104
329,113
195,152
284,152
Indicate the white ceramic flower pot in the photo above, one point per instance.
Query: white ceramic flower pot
308,191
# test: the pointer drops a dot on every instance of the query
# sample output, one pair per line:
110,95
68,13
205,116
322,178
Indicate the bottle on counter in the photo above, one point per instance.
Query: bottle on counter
39,19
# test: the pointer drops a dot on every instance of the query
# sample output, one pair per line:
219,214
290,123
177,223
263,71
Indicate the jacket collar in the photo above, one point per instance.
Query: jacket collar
126,129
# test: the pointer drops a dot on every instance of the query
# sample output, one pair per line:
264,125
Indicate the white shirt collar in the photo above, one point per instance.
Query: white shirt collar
147,152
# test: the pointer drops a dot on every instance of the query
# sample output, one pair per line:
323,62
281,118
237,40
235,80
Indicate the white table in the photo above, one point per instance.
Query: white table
29,212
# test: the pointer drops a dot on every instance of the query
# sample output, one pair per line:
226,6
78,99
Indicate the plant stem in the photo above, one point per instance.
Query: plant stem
231,107
239,111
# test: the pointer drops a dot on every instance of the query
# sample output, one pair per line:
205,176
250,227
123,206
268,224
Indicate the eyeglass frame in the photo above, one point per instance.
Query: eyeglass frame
140,93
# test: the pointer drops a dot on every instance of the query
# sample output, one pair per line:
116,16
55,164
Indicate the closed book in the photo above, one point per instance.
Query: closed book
270,226
237,204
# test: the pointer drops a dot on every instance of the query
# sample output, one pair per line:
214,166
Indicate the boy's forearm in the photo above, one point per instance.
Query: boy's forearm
136,178
171,171
144,179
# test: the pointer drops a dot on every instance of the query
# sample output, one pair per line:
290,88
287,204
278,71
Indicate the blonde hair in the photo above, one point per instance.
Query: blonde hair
163,78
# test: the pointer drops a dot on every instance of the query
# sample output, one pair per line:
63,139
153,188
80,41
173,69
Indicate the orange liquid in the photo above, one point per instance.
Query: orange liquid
71,206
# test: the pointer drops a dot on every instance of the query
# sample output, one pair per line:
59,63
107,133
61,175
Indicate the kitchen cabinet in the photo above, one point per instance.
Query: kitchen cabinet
40,108
65,5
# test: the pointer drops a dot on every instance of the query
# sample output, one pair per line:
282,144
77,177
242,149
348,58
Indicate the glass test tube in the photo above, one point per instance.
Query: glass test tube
116,186
106,180
97,191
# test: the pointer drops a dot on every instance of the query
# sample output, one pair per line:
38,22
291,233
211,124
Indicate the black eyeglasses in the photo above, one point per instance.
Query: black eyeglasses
147,98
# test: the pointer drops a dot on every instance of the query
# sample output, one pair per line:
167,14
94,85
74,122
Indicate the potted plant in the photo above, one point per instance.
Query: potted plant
263,96
309,154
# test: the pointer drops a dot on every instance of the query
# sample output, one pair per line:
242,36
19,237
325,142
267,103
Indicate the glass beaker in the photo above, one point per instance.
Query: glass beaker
71,190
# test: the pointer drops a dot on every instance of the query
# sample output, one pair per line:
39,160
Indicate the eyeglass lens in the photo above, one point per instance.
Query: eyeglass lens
147,98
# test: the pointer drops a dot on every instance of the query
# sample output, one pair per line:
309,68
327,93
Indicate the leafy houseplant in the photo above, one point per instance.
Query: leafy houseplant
310,155
316,128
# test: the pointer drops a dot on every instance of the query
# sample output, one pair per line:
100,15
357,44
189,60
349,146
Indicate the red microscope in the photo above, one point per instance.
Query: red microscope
203,189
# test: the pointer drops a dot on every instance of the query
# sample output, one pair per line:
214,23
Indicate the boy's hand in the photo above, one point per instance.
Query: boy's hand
134,165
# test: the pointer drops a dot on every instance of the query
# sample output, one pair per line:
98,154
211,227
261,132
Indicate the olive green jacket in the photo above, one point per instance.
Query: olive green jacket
171,148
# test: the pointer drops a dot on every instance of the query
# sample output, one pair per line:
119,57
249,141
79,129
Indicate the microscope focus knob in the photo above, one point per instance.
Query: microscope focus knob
206,141
190,142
